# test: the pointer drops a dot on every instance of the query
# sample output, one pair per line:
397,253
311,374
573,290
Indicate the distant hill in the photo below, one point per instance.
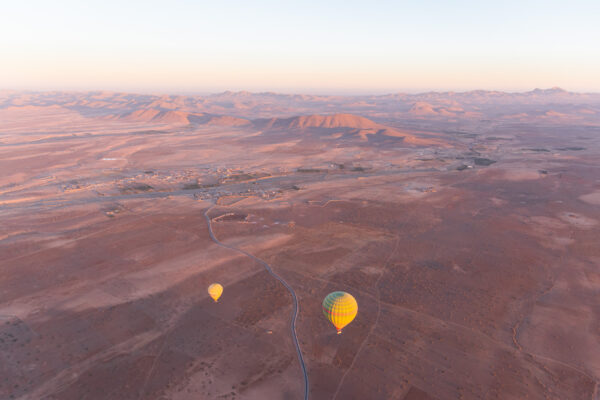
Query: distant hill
352,124
155,115
422,108
226,120
318,121
268,110
548,92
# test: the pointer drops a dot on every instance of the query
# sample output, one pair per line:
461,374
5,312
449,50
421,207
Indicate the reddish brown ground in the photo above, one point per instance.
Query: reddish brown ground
482,283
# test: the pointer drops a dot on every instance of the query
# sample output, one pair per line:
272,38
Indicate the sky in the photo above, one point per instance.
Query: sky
325,46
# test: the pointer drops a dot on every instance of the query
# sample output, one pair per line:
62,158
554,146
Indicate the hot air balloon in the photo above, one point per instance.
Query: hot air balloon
340,308
215,291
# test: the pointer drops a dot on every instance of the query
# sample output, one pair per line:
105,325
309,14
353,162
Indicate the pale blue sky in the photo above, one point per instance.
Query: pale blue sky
311,46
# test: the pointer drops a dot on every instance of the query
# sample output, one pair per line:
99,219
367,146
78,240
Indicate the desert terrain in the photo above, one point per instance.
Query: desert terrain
466,225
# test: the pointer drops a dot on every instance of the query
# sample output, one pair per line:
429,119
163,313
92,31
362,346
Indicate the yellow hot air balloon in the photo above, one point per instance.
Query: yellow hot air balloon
340,308
215,291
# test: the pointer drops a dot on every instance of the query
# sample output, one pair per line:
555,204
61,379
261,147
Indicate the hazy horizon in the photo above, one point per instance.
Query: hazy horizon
292,93
333,48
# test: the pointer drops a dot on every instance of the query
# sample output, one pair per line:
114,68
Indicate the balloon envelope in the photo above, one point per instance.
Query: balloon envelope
215,291
340,308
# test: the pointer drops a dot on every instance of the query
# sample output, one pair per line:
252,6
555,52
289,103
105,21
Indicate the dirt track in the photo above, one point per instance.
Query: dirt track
285,284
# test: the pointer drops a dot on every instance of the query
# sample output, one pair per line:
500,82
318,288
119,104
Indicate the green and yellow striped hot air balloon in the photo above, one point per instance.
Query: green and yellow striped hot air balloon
340,308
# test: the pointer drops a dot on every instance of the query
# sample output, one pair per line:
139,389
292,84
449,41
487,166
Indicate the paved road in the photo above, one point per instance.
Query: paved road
284,283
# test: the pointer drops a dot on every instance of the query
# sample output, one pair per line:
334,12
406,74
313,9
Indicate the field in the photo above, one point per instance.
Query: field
465,225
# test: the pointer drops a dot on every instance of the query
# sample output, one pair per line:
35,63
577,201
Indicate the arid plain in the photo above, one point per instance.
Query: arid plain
466,225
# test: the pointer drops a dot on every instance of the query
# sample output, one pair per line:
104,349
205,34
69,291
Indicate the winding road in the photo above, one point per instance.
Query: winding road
283,282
